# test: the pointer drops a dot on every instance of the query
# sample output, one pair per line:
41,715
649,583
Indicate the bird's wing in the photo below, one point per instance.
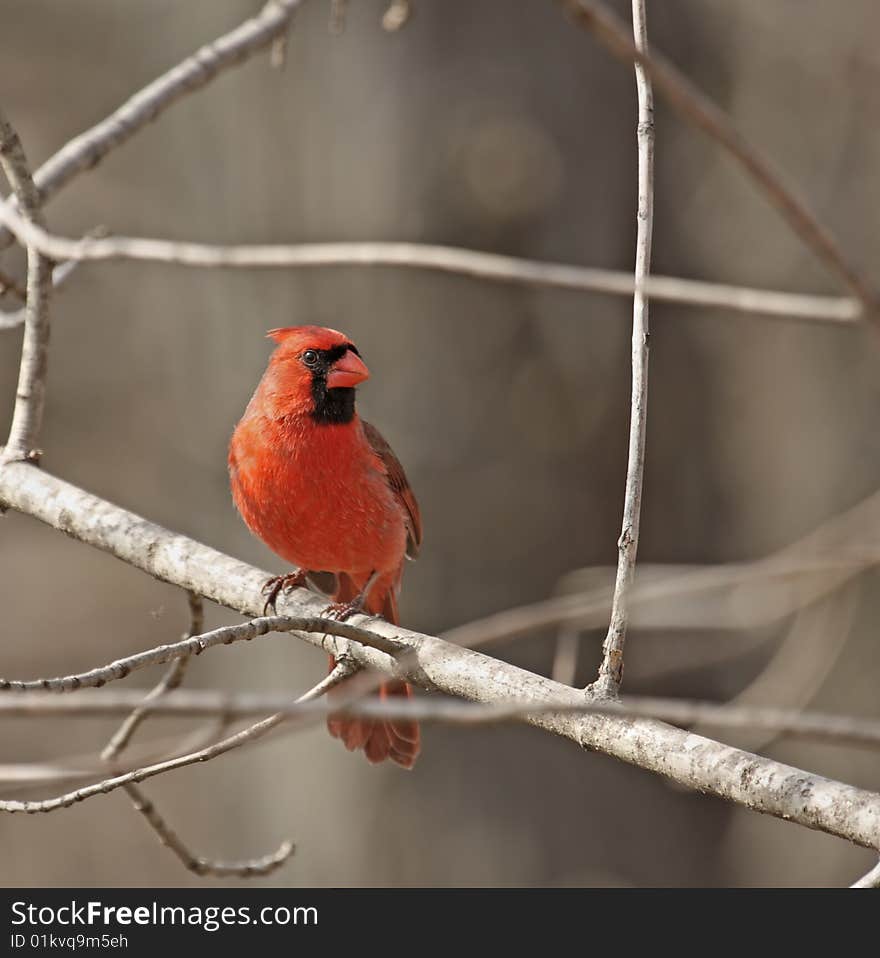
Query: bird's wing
400,486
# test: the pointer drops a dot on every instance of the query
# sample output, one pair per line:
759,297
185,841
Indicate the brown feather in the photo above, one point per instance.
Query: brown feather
399,485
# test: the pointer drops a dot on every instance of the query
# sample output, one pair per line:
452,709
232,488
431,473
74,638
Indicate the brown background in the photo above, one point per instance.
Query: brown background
498,126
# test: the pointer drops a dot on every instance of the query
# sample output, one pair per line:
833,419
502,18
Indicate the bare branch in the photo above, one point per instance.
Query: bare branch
250,734
731,595
88,149
82,767
444,259
789,723
195,645
687,100
691,760
248,868
30,395
252,868
611,669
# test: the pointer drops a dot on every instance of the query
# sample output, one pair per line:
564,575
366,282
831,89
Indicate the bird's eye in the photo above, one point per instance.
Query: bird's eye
310,357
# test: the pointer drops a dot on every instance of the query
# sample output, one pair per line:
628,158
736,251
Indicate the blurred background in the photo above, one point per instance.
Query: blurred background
501,127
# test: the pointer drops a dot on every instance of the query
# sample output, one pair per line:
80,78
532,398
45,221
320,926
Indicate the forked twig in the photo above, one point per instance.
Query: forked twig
249,868
249,734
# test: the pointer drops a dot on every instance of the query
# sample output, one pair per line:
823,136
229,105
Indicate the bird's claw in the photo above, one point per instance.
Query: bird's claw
273,587
344,610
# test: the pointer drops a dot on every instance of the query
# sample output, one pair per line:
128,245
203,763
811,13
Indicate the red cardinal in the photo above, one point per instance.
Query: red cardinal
323,490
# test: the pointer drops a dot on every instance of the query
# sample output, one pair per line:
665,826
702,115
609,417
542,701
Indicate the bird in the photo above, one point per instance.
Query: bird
324,491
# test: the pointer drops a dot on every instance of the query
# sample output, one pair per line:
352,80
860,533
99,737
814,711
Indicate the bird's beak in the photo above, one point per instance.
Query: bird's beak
349,370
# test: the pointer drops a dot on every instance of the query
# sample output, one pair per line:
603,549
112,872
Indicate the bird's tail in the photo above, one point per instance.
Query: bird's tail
395,739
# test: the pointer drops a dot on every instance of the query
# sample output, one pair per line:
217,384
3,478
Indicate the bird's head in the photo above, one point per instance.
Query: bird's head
315,370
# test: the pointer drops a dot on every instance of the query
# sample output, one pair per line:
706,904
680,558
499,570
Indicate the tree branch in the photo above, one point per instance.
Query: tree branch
687,100
444,259
172,679
195,645
249,868
88,149
611,669
30,395
690,760
249,734
790,723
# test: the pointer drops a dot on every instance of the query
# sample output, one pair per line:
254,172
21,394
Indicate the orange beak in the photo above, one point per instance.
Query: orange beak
349,370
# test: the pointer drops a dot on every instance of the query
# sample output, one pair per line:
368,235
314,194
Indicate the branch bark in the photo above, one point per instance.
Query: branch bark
691,760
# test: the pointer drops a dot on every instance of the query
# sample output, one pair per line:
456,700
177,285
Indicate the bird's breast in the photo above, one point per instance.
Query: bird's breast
316,496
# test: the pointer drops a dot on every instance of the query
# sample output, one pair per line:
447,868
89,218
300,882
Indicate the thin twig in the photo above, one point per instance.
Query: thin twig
88,149
249,734
611,669
30,395
81,767
697,108
586,610
871,880
251,868
195,645
248,868
444,259
790,723
691,760
170,681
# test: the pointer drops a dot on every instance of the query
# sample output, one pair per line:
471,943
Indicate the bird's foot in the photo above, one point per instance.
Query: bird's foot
345,610
286,583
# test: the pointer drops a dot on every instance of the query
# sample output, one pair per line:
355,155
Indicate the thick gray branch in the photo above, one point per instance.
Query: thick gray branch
691,760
